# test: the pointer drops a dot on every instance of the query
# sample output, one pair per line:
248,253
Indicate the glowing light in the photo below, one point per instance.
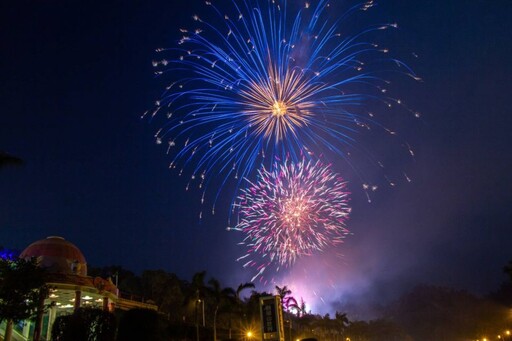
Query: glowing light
66,306
279,109
291,211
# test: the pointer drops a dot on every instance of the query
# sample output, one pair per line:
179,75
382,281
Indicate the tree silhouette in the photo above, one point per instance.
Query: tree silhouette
9,160
220,297
85,324
284,293
141,324
508,269
164,290
195,294
22,288
239,304
242,287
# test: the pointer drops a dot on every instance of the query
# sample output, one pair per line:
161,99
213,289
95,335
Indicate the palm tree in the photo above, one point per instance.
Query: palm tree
239,303
195,293
242,287
219,296
284,293
287,301
341,321
292,303
302,307
301,312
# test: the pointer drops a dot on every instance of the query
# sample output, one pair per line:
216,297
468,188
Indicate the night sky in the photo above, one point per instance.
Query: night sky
76,77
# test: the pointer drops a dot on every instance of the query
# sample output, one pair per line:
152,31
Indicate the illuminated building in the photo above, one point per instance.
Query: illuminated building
70,287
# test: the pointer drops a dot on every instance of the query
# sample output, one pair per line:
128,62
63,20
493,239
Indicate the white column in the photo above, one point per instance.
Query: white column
52,315
26,329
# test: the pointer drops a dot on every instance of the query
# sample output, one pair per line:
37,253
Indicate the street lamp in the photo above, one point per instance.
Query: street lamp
199,301
202,303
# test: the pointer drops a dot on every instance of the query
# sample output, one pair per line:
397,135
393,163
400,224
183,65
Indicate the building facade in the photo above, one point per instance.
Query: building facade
70,286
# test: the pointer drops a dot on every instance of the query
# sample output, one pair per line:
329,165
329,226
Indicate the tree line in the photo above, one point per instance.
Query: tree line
425,312
202,309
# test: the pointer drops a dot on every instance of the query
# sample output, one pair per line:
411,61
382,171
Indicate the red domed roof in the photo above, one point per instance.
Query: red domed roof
57,255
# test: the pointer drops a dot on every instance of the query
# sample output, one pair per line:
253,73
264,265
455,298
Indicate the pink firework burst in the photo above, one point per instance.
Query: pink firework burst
293,210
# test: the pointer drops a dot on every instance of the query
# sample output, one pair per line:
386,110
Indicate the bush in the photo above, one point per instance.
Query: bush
86,324
141,324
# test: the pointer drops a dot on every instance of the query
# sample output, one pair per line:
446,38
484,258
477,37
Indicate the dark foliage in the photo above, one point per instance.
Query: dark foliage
142,324
22,285
85,324
128,283
438,313
376,330
9,160
426,312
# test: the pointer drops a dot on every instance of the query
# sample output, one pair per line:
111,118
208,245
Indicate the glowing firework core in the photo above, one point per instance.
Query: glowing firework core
279,109
295,210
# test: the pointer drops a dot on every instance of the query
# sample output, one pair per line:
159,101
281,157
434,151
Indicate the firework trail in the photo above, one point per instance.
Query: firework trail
267,80
291,211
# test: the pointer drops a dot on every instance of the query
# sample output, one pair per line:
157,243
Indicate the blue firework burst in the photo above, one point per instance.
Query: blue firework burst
265,80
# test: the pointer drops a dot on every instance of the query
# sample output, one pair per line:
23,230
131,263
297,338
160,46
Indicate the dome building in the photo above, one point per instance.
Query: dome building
57,255
70,286
67,278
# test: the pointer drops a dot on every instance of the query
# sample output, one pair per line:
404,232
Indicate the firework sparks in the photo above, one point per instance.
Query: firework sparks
294,210
266,81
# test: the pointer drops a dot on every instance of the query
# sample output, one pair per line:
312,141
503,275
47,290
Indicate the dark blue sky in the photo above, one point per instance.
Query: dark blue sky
75,78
